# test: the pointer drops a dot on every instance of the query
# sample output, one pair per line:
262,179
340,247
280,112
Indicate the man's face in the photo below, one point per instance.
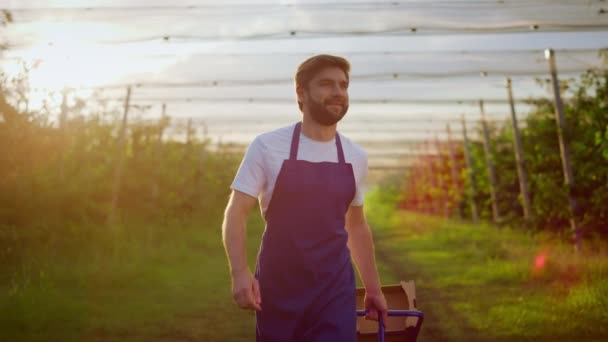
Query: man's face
326,97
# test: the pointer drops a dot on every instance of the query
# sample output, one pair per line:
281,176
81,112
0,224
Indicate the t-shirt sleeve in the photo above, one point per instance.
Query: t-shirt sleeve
250,177
360,171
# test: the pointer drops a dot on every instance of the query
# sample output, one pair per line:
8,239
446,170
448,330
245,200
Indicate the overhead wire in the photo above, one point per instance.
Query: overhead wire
463,8
436,101
397,118
400,31
368,53
318,4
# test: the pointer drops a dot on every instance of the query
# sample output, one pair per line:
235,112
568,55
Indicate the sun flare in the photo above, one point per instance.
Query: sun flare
73,56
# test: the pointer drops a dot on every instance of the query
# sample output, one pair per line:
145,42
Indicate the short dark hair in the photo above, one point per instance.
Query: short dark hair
313,65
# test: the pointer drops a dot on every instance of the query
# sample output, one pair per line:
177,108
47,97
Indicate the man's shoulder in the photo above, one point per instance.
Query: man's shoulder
275,137
352,147
271,138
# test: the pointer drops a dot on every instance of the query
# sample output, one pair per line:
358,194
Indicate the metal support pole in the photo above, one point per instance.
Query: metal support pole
519,157
425,198
453,169
433,179
417,174
204,145
444,191
188,139
188,142
63,118
64,108
161,129
189,132
489,164
158,150
205,129
121,157
470,173
563,146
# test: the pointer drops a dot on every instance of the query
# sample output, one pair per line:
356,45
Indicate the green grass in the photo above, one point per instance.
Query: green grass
481,282
170,282
127,284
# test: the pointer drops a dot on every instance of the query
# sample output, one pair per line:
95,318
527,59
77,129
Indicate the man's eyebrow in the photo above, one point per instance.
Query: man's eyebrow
331,80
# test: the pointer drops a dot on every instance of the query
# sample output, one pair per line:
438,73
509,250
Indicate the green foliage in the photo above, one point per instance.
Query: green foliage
586,130
586,118
56,180
66,273
381,202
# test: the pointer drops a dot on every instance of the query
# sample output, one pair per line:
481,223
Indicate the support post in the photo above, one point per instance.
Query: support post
444,190
470,173
489,164
63,118
435,200
519,157
121,157
453,169
564,146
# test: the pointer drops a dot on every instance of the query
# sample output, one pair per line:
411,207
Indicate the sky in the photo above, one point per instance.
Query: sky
229,65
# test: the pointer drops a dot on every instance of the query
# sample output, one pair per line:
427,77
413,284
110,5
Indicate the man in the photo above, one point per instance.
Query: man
309,182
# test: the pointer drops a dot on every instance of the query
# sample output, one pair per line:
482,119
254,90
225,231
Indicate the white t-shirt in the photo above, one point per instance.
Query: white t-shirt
260,167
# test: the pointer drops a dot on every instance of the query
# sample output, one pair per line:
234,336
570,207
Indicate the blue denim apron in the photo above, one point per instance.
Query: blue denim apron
306,278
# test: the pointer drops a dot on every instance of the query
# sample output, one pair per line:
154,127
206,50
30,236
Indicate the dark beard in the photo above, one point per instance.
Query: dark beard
324,117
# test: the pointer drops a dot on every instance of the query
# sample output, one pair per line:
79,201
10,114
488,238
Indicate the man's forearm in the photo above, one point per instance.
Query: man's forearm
361,245
234,232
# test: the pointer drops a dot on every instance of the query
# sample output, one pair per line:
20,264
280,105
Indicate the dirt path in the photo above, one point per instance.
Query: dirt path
441,322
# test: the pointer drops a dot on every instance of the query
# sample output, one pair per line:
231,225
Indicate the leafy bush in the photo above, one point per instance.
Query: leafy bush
586,116
56,179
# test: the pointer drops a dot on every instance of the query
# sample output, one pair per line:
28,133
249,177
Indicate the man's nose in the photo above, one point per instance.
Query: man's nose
338,90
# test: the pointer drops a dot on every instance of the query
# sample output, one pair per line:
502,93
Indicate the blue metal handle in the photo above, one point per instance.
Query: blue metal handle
401,313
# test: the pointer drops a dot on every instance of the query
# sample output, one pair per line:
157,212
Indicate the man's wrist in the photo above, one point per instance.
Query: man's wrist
236,271
373,290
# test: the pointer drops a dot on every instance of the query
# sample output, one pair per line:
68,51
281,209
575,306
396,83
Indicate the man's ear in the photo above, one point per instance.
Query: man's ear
300,92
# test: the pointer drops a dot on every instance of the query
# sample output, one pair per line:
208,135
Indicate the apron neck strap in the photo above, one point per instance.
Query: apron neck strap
295,142
339,148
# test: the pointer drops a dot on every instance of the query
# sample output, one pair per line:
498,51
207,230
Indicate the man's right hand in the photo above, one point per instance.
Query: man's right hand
246,291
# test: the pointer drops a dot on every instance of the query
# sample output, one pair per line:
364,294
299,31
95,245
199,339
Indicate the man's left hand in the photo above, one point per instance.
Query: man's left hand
375,302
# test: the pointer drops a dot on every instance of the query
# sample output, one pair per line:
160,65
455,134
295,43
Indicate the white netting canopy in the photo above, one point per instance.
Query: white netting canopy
228,66
197,20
